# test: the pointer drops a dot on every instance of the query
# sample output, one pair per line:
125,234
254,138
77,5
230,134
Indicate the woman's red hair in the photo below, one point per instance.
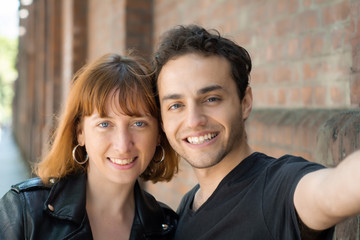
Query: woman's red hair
131,78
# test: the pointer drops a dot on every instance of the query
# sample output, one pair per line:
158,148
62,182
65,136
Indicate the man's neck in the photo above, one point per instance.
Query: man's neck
210,178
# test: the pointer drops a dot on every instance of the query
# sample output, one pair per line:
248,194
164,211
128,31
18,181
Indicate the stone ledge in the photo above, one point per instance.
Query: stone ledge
322,135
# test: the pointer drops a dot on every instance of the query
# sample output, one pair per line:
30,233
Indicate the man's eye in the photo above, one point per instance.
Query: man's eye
174,106
212,99
104,124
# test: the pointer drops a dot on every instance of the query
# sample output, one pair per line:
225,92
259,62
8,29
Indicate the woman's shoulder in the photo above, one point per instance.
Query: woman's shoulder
31,185
28,195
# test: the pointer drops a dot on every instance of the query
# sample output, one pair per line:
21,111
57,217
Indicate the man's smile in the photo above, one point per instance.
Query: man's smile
201,139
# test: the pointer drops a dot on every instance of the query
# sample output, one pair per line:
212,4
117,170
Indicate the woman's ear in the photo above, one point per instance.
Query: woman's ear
80,134
246,103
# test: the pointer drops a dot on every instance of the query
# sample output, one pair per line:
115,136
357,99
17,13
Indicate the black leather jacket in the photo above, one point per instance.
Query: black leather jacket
33,210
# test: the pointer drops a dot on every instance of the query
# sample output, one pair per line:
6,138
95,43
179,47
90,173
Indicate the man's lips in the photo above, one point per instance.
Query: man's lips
202,138
122,161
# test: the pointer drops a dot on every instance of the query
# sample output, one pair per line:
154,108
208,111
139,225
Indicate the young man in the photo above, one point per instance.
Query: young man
205,98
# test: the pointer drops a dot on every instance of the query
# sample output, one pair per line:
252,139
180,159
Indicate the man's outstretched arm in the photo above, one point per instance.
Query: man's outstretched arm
325,197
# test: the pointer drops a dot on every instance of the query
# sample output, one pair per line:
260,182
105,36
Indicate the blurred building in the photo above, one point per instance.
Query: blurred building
305,78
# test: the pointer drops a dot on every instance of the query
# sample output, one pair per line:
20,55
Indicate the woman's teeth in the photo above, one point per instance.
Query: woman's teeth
201,139
122,161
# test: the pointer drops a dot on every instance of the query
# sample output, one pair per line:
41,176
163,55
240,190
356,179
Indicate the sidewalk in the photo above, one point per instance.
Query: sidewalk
13,168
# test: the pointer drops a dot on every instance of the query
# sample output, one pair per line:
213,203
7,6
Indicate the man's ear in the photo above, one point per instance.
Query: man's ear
246,103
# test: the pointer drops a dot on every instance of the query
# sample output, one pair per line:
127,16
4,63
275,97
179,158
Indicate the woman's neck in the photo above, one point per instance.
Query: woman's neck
110,208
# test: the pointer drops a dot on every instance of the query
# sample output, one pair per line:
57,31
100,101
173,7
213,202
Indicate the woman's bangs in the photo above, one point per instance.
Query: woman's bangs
134,102
97,98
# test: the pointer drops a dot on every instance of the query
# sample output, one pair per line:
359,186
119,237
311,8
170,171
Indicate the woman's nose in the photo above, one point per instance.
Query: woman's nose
123,141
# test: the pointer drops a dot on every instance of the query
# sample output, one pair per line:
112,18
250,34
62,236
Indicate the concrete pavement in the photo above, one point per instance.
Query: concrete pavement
13,168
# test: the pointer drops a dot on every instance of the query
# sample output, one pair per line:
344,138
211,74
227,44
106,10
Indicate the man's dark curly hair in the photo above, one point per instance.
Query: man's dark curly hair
182,40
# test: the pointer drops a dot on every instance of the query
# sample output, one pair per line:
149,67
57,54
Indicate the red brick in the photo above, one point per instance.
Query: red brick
336,95
282,73
337,39
309,71
281,96
271,99
259,76
307,3
355,92
307,20
294,96
284,26
260,14
306,94
270,52
259,97
293,47
244,37
318,44
337,12
285,6
320,95
306,45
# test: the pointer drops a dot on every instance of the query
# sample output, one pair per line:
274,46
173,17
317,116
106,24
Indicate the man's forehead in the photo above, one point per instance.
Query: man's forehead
193,73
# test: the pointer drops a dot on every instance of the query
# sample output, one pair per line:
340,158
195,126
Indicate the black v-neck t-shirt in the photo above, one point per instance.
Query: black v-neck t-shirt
254,201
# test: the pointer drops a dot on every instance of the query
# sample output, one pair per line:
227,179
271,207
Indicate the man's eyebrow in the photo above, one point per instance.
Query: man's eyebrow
199,92
209,89
171,97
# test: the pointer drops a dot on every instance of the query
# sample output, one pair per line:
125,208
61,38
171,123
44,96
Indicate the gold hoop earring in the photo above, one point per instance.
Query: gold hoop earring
163,155
74,157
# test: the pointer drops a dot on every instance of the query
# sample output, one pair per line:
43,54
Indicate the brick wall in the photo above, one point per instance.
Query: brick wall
305,78
117,26
303,51
106,27
54,32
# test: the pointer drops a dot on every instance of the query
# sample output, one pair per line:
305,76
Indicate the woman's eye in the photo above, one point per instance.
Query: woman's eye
104,124
139,124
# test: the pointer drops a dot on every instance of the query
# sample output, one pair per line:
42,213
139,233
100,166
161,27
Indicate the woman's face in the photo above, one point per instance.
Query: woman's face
120,147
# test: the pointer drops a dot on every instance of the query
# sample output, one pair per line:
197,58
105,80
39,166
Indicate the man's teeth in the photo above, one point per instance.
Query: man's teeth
122,161
201,139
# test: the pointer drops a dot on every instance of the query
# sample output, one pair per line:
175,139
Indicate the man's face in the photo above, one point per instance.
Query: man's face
201,111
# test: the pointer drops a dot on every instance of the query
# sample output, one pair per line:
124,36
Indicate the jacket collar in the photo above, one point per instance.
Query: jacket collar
152,219
67,199
148,212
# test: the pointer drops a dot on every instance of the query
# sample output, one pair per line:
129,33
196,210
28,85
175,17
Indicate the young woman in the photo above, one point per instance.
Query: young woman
87,188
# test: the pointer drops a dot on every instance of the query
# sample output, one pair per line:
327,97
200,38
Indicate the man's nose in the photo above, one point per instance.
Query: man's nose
195,116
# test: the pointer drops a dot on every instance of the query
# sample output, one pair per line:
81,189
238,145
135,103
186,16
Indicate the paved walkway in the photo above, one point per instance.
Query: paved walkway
13,168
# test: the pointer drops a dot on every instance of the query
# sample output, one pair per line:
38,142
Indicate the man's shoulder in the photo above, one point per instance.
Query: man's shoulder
284,160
